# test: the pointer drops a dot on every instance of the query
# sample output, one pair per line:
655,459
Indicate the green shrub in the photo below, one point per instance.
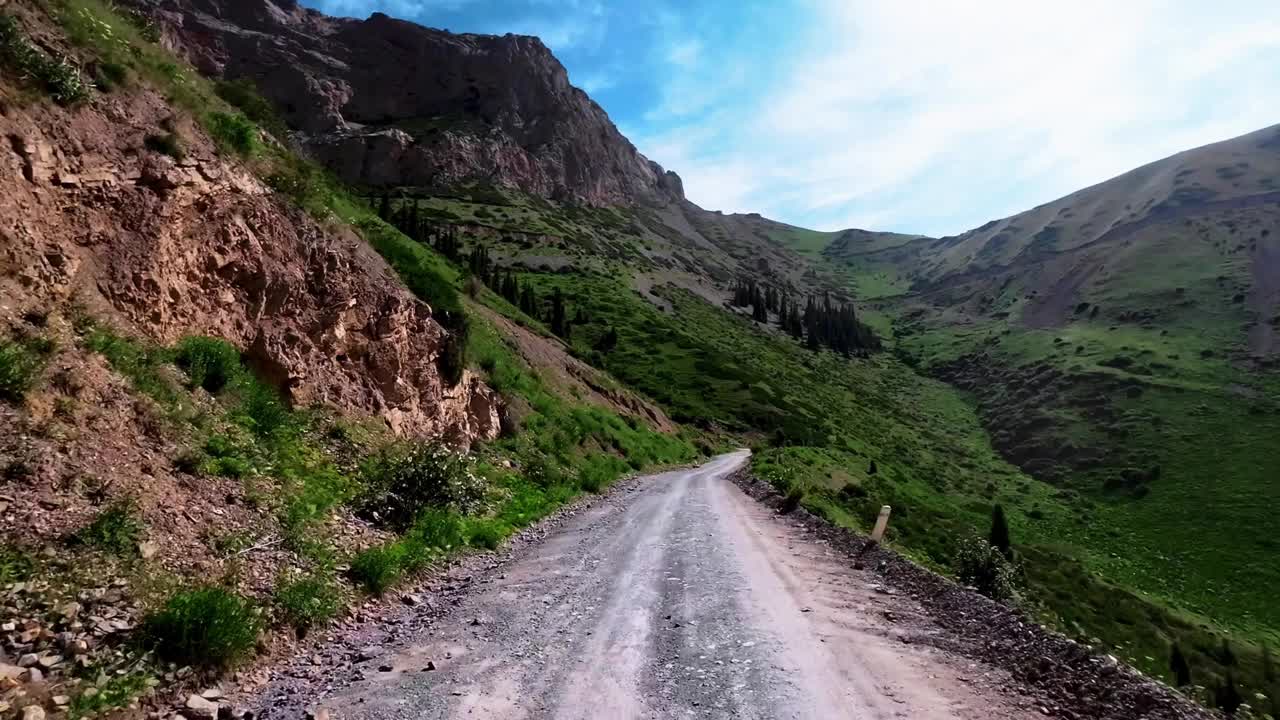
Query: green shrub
168,144
598,471
791,502
232,132
982,566
259,408
453,358
56,76
210,363
108,75
115,529
208,627
112,692
307,601
232,454
404,481
19,367
434,531
378,567
245,96
541,471
15,564
486,533
305,183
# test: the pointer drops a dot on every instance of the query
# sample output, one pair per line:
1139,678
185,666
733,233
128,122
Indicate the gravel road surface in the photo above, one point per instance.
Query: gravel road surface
681,597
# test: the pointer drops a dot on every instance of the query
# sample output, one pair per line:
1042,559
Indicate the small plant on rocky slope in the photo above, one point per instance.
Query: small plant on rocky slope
379,567
791,501
403,482
487,533
15,565
307,601
19,366
207,627
434,533
110,693
167,144
981,565
56,76
210,363
116,529
233,132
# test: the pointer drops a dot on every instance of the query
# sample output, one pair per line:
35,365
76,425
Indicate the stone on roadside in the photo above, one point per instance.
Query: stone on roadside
33,712
198,708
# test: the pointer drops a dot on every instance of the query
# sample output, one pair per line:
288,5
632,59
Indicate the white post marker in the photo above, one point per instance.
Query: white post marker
882,524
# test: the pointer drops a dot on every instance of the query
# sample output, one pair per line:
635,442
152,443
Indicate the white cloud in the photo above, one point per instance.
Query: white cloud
936,116
684,53
596,81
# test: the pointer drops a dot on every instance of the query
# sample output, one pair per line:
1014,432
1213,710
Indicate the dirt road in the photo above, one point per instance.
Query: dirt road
680,598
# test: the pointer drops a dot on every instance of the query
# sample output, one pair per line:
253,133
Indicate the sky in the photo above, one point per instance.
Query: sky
925,116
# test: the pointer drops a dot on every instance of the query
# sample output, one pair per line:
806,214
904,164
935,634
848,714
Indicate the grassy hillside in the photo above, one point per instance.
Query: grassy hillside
1142,441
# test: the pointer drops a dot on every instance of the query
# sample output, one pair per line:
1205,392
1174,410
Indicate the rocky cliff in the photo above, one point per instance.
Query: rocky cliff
384,102
94,218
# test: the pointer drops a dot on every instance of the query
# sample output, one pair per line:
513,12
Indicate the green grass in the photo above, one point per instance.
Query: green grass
116,529
20,366
233,133
109,692
207,627
16,564
307,601
58,77
257,434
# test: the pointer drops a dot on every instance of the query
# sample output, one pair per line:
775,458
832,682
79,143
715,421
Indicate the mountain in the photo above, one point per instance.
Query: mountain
492,110
394,234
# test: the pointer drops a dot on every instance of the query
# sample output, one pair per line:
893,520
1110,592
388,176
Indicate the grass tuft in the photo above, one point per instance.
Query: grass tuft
116,529
378,568
210,363
208,627
15,564
20,365
307,601
233,133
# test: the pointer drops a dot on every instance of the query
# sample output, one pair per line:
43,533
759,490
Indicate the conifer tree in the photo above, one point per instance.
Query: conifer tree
557,313
1000,531
1178,664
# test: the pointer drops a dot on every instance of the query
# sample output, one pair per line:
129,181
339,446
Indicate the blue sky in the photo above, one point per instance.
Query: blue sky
928,116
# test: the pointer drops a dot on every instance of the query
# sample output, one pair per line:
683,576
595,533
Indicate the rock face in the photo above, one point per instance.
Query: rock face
198,247
386,102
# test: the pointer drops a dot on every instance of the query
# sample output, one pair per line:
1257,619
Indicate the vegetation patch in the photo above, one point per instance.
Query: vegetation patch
109,692
55,75
16,564
167,144
116,529
233,133
404,481
307,601
20,365
207,627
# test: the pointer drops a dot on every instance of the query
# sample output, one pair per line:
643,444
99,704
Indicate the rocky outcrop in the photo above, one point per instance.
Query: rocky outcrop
386,102
198,247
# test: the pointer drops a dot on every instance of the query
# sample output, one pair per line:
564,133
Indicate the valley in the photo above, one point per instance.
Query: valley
368,275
